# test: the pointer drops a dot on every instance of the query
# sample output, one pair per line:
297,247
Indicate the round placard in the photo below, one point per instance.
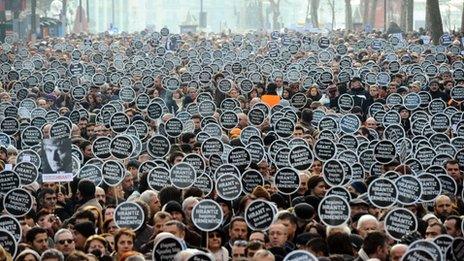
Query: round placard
129,215
228,186
17,202
287,181
207,215
334,210
259,214
382,193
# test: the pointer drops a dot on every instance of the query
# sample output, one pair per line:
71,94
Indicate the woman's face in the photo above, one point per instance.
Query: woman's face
109,213
320,189
313,91
112,227
155,93
316,168
373,91
125,244
176,95
214,241
110,240
96,245
29,257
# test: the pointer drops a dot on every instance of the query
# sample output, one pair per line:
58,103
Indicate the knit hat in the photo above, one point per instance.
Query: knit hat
304,211
86,229
359,186
173,206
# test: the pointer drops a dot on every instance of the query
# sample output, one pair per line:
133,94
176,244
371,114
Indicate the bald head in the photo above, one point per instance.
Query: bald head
397,252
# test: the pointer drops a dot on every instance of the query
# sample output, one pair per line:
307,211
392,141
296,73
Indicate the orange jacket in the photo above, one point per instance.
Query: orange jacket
270,100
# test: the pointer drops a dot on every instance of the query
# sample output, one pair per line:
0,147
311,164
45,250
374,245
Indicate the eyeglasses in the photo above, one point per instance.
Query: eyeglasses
240,243
69,241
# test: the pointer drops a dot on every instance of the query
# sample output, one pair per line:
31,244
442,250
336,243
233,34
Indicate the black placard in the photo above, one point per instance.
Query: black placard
8,242
174,127
158,146
113,173
300,255
228,186
325,149
158,178
259,214
382,193
333,173
166,248
91,172
17,202
207,215
228,120
101,147
300,157
239,157
12,225
431,187
182,175
284,127
9,180
334,210
129,215
27,172
287,180
385,151
122,147
400,222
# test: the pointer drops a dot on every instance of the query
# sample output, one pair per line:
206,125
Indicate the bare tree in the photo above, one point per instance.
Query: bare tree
372,12
365,9
462,19
275,7
403,15
314,13
410,16
332,10
435,23
348,15
260,15
33,17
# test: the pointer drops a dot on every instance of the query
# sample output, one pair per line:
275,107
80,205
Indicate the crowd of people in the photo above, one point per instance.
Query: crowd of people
308,78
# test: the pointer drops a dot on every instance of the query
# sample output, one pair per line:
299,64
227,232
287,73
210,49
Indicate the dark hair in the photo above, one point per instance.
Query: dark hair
287,216
87,189
452,162
44,192
339,243
458,220
266,236
318,245
31,234
307,115
86,214
169,193
193,192
374,240
271,89
236,219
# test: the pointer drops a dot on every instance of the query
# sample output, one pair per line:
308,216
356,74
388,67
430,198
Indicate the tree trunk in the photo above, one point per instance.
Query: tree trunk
348,15
404,15
63,16
33,17
308,4
435,23
410,16
365,8
372,13
260,15
275,4
462,19
314,14
332,9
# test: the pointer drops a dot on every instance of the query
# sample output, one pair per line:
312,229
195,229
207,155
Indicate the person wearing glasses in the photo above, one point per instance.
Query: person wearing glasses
64,241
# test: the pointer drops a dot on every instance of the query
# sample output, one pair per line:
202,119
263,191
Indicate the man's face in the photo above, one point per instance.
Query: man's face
277,235
257,236
443,206
368,227
40,242
55,154
279,82
291,228
303,184
451,230
238,231
65,243
397,253
238,252
49,200
432,232
100,195
196,123
173,229
454,171
434,86
159,225
356,85
298,133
